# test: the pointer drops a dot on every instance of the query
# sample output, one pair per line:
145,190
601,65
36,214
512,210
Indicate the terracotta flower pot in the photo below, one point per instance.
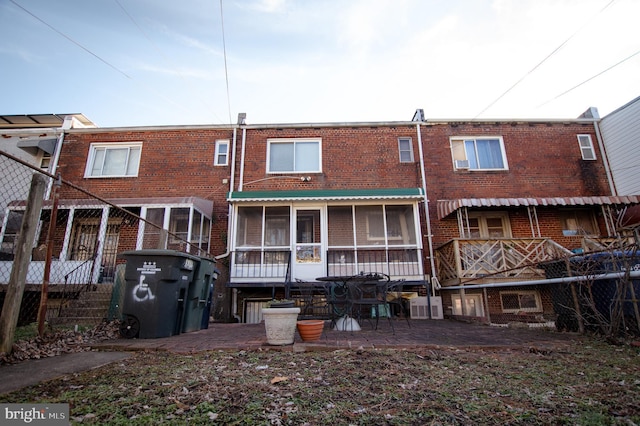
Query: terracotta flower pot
310,330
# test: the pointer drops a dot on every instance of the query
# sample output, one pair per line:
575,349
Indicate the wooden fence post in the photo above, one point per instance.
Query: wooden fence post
21,261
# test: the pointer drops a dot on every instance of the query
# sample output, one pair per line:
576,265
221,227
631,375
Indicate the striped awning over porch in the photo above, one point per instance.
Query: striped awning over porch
446,207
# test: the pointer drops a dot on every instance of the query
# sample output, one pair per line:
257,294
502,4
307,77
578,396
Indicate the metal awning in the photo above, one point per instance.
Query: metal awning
327,195
32,145
202,205
446,207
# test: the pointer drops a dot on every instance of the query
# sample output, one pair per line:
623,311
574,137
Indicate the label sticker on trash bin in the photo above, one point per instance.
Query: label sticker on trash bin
148,268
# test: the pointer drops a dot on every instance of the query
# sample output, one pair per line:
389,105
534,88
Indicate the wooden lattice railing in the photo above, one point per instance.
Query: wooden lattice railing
463,259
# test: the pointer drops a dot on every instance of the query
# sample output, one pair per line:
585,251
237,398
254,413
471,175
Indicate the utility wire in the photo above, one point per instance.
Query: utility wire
590,78
74,42
166,59
226,73
543,61
104,61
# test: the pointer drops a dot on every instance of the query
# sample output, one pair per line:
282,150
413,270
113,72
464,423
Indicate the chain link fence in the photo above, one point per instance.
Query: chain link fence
598,291
78,242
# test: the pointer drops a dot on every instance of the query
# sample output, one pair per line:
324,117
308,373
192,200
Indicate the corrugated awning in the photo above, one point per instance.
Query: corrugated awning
202,205
446,207
32,145
328,194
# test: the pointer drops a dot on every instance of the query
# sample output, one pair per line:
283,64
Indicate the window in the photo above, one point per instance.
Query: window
479,153
578,222
520,301
586,147
487,225
45,161
405,148
472,303
222,153
113,160
293,155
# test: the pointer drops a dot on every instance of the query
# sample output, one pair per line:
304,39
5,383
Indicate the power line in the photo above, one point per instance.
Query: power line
590,78
73,41
543,61
226,74
104,61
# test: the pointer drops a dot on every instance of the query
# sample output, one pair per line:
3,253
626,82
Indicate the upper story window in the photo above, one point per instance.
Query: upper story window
113,160
586,147
294,155
405,147
221,157
478,153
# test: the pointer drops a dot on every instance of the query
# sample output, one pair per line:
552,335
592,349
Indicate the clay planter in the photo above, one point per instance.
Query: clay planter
280,325
310,330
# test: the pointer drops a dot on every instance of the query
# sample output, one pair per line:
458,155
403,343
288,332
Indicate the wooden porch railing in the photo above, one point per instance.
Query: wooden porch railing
513,258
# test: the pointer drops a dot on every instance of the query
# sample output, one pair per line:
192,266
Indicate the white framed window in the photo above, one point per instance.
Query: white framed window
405,148
586,147
479,153
294,155
520,301
113,160
221,156
472,303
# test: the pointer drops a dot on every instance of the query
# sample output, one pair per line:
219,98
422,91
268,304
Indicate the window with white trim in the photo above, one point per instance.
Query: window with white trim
520,301
113,160
586,147
478,153
294,156
405,148
221,157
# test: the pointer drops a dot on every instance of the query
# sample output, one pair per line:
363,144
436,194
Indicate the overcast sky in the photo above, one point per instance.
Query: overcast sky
160,62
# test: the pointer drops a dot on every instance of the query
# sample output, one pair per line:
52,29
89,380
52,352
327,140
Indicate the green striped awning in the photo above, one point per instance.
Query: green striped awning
327,195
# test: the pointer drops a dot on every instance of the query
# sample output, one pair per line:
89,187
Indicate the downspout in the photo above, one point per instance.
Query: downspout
230,216
244,144
434,278
605,158
231,185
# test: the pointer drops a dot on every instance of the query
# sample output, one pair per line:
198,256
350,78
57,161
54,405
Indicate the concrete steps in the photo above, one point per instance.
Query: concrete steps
90,308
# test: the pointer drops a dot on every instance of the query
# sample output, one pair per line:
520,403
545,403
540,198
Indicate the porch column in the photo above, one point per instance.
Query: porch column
67,235
102,233
141,226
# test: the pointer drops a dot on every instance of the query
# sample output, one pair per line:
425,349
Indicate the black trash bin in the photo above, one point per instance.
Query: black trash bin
198,301
157,282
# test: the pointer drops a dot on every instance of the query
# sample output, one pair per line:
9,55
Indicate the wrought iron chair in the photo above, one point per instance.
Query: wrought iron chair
396,301
368,296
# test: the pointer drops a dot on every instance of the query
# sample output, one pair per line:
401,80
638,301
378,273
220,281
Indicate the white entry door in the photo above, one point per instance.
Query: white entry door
308,255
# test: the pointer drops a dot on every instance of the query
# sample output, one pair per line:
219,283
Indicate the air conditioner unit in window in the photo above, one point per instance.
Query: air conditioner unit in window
420,308
462,164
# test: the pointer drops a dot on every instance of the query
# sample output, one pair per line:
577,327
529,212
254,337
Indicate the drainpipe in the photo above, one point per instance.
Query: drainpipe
231,185
605,158
244,144
434,278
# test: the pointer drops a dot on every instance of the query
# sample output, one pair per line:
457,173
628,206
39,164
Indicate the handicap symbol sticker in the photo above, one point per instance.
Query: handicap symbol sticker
142,292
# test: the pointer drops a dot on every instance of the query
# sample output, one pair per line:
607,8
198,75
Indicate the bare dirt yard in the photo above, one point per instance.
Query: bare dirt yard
585,383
